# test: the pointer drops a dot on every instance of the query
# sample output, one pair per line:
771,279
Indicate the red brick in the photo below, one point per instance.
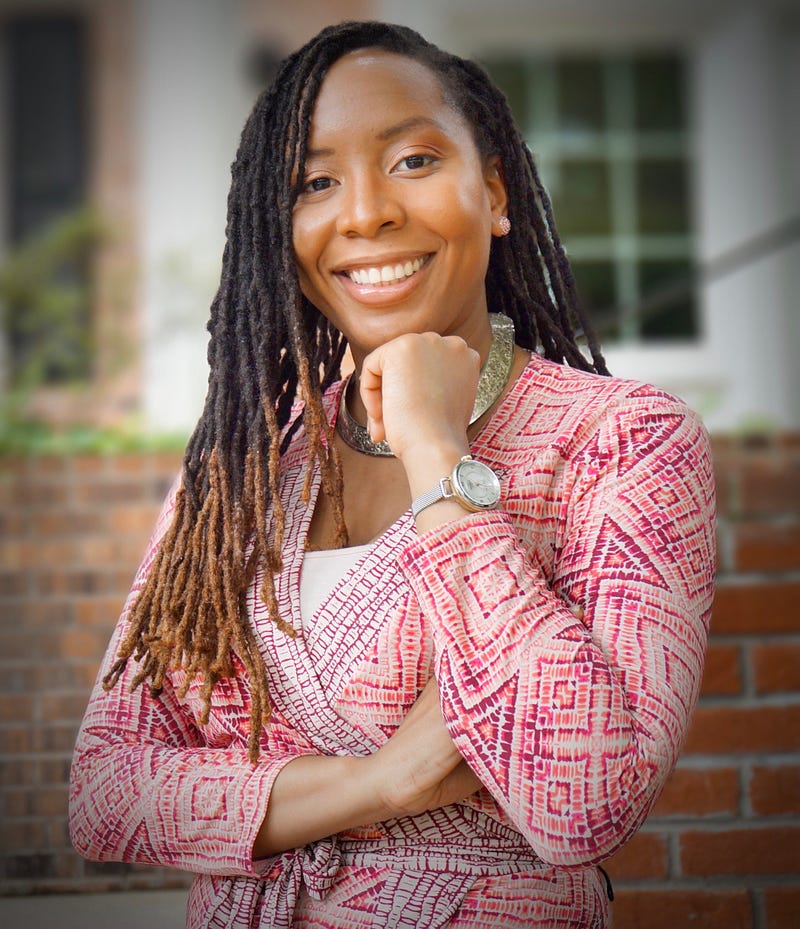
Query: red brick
18,802
55,770
69,521
134,464
77,643
50,801
776,667
78,674
722,673
781,907
744,729
671,909
62,675
109,492
58,834
139,520
14,583
23,834
98,580
57,737
49,465
100,550
13,524
17,772
705,792
98,611
645,856
767,546
18,553
756,608
38,495
16,707
167,464
775,790
770,484
19,741
92,465
18,644
30,614
740,851
56,551
61,707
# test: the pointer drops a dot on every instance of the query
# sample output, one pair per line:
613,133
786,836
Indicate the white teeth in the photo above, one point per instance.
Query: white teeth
388,274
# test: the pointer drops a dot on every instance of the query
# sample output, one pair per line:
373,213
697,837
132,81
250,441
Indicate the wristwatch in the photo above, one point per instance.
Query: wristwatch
471,483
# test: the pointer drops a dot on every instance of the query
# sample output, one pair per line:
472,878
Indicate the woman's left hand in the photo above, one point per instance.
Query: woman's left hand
420,768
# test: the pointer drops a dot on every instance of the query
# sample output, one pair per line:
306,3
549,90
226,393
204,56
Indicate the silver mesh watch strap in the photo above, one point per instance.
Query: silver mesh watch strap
442,491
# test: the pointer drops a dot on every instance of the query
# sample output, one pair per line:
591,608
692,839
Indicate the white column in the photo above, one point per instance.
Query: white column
746,187
191,108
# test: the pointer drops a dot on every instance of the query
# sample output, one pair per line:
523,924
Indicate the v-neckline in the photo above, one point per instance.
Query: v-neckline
308,670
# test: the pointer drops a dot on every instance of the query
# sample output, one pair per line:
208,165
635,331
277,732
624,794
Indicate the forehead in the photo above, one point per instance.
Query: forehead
376,87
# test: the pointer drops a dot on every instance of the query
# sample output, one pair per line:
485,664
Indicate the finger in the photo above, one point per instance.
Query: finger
370,386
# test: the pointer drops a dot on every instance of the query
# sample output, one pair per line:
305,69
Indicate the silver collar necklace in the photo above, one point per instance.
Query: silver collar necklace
493,378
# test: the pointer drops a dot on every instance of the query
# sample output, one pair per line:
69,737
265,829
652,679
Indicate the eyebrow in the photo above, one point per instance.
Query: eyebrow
386,135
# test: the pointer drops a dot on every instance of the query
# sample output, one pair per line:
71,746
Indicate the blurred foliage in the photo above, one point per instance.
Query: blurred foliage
20,436
44,303
45,297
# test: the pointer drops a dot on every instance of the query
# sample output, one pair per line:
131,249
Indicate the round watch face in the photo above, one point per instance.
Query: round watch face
477,483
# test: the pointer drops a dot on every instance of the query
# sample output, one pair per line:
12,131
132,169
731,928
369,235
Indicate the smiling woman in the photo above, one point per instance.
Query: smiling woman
393,177
461,598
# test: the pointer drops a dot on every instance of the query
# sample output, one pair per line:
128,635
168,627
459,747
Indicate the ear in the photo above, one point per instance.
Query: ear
496,189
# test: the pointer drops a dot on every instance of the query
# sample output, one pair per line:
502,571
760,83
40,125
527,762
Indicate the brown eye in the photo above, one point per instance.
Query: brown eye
414,162
318,184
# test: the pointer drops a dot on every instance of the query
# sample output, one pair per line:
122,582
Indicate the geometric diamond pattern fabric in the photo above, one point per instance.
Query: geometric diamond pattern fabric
566,630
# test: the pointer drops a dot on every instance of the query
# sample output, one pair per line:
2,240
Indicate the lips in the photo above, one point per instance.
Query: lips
385,274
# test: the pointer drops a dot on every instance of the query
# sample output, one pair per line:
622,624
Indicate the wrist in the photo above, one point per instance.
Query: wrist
471,484
315,796
426,465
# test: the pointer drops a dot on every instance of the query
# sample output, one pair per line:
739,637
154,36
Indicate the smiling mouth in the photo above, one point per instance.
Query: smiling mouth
387,274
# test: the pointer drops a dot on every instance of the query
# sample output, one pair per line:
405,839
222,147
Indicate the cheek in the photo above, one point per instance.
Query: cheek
465,213
306,242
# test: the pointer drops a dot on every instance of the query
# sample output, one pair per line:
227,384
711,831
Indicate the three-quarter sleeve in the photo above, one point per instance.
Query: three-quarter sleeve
150,785
568,677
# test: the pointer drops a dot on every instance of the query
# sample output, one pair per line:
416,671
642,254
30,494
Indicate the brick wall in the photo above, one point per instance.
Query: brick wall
72,531
722,848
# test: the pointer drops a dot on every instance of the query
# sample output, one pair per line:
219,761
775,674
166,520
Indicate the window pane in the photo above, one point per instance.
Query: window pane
597,293
668,287
581,100
47,331
659,92
661,191
581,201
510,77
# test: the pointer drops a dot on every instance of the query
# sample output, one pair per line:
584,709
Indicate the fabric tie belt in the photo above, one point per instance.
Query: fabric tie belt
419,880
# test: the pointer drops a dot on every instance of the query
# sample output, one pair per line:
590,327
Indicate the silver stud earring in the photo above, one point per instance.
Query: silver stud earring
505,225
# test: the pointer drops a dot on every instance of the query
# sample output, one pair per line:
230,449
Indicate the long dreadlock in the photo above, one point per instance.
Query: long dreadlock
270,347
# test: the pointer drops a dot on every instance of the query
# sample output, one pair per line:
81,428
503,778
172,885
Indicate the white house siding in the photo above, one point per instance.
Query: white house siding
192,103
743,59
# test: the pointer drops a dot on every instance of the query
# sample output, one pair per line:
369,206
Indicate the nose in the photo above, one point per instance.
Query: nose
370,202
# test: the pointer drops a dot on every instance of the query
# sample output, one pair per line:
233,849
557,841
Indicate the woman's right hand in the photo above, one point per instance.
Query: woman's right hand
419,768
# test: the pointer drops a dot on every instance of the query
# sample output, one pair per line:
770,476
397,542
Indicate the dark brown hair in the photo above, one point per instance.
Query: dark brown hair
270,347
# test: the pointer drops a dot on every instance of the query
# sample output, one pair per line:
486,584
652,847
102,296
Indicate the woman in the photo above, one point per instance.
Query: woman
387,683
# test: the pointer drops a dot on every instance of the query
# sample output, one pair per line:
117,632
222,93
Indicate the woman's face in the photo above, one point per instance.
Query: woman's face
392,230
